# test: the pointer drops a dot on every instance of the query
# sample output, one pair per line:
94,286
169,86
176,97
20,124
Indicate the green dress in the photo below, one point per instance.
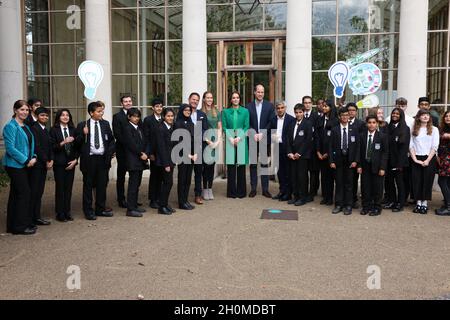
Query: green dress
213,124
236,123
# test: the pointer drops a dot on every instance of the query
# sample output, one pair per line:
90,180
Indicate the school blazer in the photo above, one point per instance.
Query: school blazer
164,146
267,113
399,139
322,135
16,145
119,123
359,125
83,143
150,128
380,152
43,146
303,143
334,153
202,121
134,148
61,157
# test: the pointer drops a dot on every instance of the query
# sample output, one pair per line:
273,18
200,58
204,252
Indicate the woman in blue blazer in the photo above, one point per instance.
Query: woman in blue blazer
19,156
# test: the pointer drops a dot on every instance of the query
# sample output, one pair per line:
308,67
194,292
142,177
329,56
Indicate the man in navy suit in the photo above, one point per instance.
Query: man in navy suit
261,112
279,125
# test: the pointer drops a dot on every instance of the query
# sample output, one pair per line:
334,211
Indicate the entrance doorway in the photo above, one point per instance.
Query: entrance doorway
245,81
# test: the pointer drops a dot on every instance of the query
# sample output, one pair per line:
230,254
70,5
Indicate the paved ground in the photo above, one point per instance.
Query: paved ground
223,250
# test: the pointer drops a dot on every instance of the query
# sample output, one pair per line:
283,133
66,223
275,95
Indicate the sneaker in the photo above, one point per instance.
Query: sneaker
211,196
205,194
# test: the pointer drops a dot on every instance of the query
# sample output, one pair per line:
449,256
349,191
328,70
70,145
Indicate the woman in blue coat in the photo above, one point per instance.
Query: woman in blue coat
19,156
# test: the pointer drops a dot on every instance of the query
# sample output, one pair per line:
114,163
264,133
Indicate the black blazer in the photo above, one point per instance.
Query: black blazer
29,121
313,118
42,147
119,123
60,156
133,149
150,127
399,138
380,152
334,153
303,143
267,114
359,125
83,143
273,125
202,120
322,134
164,146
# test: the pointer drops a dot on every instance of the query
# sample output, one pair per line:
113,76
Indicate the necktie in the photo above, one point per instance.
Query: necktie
67,145
96,136
369,149
298,129
344,141
140,133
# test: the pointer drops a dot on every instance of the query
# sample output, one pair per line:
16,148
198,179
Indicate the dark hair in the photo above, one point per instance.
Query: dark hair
342,110
233,93
125,96
444,128
93,106
194,94
423,99
19,104
32,101
401,101
166,111
58,118
257,85
299,106
371,116
352,105
133,112
306,97
42,110
156,101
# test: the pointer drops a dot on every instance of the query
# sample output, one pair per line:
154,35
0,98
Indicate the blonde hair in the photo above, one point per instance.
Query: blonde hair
214,109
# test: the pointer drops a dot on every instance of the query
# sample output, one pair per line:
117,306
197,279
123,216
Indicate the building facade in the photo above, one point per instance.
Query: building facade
169,48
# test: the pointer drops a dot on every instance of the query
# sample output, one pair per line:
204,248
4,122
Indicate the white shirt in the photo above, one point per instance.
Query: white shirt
342,135
135,126
350,122
42,126
62,130
125,111
157,118
423,143
307,114
258,106
101,150
194,117
168,127
296,127
280,124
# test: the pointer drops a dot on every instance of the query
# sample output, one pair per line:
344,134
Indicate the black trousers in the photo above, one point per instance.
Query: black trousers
371,188
254,172
299,178
355,185
444,183
314,177
18,213
344,183
166,186
208,175
198,171
134,182
63,190
156,177
407,176
396,186
121,172
236,181
423,178
184,182
327,180
95,177
283,174
38,176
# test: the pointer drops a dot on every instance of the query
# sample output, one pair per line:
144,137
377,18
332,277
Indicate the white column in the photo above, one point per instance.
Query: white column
412,56
98,48
298,52
195,73
11,59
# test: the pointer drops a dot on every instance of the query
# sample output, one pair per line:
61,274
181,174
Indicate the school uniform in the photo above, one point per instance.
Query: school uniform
313,164
119,123
374,157
163,151
62,155
38,173
150,128
399,139
200,120
359,126
299,140
322,140
344,149
134,164
282,126
96,151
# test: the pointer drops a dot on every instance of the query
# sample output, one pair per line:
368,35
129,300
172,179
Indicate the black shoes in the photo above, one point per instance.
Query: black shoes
104,214
309,199
443,211
300,203
336,210
390,205
285,198
91,217
164,210
140,210
293,201
365,211
26,232
61,218
171,209
185,206
347,211
374,212
397,208
42,222
278,196
154,205
134,214
252,194
421,209
267,194
123,204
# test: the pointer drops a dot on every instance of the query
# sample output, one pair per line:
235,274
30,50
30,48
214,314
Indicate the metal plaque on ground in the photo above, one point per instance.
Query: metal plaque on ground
275,214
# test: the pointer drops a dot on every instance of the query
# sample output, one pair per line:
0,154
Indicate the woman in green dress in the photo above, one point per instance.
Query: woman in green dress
236,122
213,138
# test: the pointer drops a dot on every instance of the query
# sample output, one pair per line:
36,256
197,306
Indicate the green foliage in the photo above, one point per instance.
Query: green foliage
4,179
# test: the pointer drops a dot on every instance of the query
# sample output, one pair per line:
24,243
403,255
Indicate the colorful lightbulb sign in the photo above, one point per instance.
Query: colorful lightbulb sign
365,79
338,75
91,74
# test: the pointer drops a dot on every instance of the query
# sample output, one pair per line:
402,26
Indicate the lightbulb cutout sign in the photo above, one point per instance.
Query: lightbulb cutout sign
368,102
91,74
338,75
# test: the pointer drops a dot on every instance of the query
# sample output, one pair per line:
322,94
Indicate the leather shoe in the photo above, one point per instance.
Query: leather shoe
69,217
185,206
134,214
140,210
198,200
336,210
164,210
61,218
364,212
154,205
108,209
309,199
104,214
171,209
397,208
252,194
91,217
190,205
278,196
123,204
374,212
292,201
285,198
41,222
323,202
26,232
389,205
347,211
267,194
300,203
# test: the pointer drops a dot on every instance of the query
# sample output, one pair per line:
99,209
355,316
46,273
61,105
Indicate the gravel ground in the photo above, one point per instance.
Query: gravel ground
223,250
